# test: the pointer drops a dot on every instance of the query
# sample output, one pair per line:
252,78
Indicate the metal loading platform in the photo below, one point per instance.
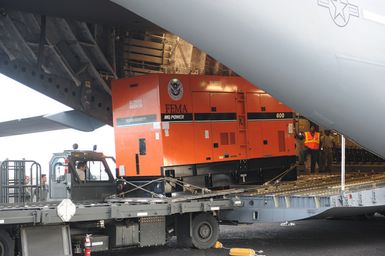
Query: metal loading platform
48,213
316,196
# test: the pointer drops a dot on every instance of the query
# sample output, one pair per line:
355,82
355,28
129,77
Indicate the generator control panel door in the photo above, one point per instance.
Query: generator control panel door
224,125
275,126
254,129
203,137
145,156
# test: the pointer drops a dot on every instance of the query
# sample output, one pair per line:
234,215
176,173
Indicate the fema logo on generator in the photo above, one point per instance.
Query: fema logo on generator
175,89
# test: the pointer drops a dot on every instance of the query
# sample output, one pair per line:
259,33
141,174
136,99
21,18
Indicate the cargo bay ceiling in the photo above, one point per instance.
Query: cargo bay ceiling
71,50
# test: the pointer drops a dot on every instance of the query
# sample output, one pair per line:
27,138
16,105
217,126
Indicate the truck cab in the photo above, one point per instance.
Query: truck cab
67,181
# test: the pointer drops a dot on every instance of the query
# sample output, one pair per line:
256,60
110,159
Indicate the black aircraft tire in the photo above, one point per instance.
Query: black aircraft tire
205,231
7,244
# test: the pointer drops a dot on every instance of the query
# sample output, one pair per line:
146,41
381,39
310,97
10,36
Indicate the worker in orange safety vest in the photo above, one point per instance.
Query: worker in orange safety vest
312,147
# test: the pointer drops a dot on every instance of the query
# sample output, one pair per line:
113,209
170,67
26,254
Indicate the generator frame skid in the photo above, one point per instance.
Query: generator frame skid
221,129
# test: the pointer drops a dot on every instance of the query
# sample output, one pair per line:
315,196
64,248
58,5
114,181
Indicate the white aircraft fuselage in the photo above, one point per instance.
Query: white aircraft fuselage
324,58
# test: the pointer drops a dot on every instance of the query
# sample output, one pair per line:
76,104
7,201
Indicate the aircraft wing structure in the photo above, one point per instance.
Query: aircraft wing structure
69,119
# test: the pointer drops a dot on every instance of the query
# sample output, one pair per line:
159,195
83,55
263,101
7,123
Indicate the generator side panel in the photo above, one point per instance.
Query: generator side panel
255,145
270,127
224,126
208,119
219,118
200,120
177,120
221,121
203,134
136,114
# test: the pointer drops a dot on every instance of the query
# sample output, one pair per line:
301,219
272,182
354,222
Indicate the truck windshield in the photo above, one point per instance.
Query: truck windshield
92,170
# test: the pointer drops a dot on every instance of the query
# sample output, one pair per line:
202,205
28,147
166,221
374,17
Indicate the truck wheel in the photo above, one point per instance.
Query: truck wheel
205,231
7,245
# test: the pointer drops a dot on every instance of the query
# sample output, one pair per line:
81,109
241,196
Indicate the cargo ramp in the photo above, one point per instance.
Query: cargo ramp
316,196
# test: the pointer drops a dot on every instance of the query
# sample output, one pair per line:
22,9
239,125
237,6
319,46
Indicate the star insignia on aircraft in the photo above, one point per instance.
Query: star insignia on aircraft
340,10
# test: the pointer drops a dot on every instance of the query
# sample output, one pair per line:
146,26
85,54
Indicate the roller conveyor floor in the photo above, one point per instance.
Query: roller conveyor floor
321,185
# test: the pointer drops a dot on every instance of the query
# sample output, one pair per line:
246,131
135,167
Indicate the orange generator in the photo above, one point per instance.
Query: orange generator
208,130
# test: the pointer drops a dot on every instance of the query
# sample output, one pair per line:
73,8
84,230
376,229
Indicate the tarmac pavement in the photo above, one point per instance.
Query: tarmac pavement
310,237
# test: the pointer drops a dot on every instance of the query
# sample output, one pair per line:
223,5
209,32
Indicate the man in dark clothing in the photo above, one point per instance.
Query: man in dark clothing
327,145
42,192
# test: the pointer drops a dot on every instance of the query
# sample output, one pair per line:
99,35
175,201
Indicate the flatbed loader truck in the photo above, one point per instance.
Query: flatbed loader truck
97,209
96,215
